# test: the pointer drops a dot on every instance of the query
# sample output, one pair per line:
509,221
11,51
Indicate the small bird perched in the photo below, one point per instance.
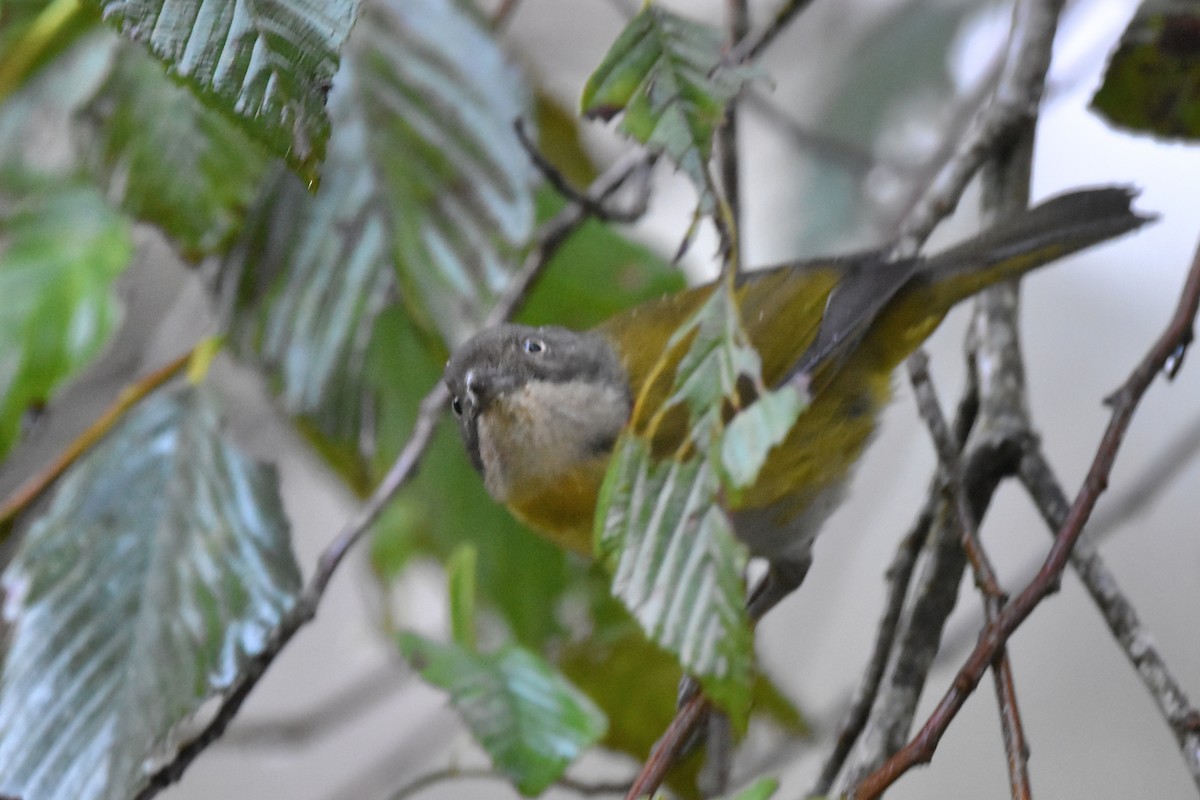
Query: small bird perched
540,408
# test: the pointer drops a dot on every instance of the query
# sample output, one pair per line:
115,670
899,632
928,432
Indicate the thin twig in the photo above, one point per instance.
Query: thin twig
669,746
1131,635
728,163
129,397
555,178
1001,122
828,148
344,706
899,576
752,48
550,236
1166,351
1014,104
1016,748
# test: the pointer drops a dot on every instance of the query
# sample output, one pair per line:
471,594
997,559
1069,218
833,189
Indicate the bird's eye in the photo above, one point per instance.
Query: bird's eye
456,404
533,345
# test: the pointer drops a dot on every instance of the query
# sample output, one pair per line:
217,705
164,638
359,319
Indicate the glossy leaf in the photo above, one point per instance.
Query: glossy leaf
751,434
425,181
1153,80
665,74
636,684
157,573
677,567
167,158
529,719
661,526
266,64
431,100
61,248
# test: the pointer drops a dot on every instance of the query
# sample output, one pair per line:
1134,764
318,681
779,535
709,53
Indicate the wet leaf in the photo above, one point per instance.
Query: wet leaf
157,573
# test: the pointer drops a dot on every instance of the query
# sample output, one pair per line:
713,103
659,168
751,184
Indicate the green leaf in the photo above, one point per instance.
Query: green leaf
167,158
460,573
666,74
751,434
761,789
61,248
268,65
678,568
431,99
1153,79
661,526
156,575
719,355
425,181
529,719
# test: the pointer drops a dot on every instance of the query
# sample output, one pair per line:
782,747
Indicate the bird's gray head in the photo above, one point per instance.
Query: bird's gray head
563,391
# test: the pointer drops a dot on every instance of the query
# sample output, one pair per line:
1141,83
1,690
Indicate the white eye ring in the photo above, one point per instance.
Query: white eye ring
456,404
533,346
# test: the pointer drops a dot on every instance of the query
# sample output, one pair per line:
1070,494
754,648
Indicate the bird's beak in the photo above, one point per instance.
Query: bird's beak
483,386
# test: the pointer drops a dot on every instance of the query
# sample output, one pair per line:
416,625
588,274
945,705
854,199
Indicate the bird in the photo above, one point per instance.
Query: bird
540,408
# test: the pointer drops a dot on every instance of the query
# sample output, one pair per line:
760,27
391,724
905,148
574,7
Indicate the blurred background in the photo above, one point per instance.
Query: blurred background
858,96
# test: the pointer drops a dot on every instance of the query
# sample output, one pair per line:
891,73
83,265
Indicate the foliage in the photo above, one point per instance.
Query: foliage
155,576
530,720
61,248
664,75
349,176
266,65
1153,80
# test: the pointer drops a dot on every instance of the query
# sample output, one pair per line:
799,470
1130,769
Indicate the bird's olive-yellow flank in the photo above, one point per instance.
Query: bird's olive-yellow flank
540,409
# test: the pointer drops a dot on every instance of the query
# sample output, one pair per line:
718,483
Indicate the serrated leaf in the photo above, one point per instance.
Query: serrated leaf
425,180
167,158
158,571
666,74
1153,79
662,526
719,355
750,435
436,99
530,720
61,248
677,567
266,64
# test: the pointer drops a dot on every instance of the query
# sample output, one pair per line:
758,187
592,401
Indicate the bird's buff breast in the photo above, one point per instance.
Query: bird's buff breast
545,448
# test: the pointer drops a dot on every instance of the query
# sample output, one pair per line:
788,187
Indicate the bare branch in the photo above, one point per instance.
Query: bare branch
667,749
728,164
899,576
752,48
1134,639
1014,105
1015,747
1165,353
